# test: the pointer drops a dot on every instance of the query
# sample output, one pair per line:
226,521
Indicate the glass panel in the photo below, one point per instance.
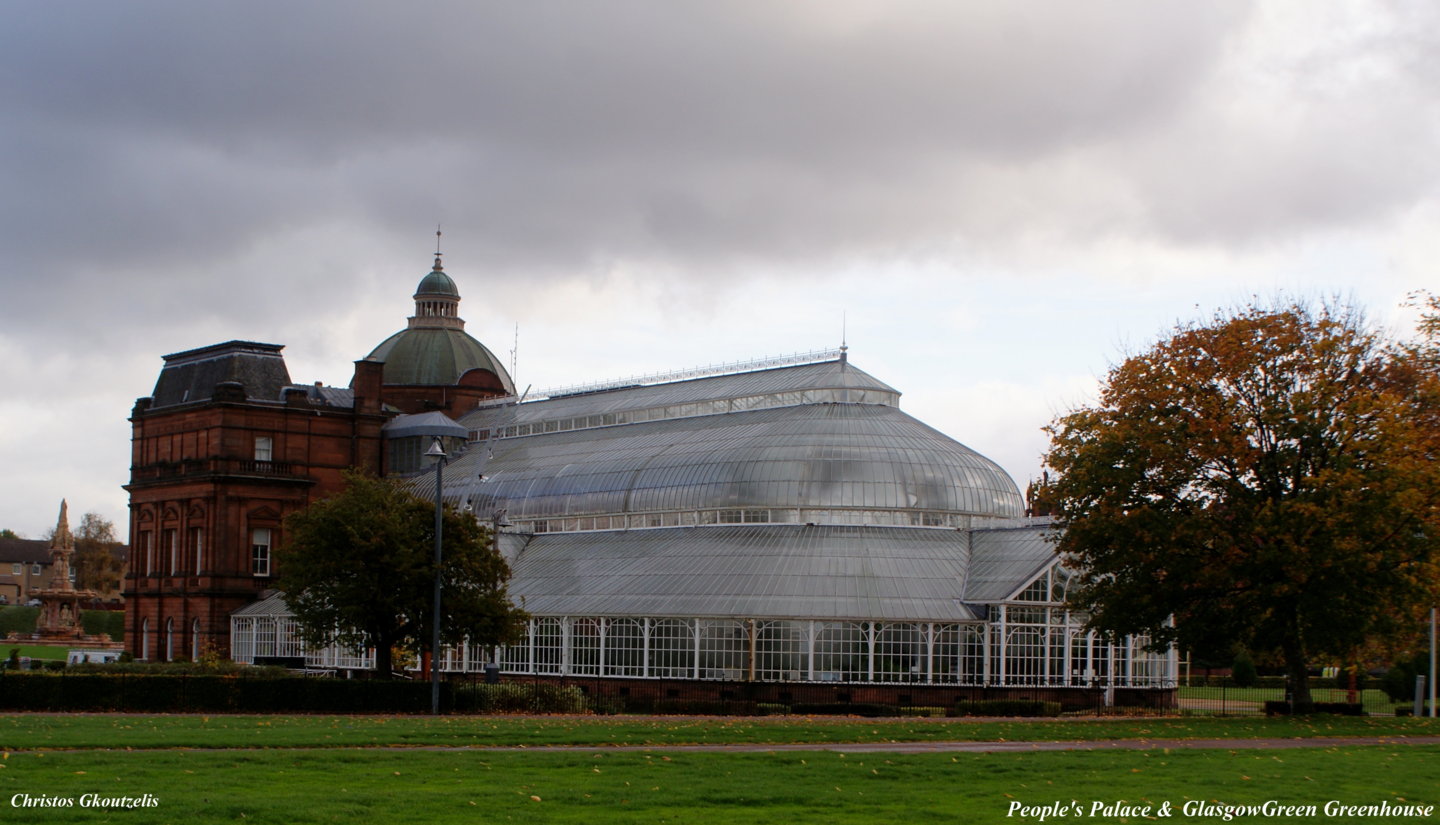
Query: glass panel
780,651
624,648
723,649
900,653
1025,656
549,641
672,649
585,647
841,652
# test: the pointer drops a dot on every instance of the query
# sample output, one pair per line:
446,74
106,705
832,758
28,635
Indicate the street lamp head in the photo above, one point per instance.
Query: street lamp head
437,449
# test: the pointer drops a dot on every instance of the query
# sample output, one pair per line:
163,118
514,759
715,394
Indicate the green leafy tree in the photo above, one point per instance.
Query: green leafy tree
7,533
1267,480
358,569
97,564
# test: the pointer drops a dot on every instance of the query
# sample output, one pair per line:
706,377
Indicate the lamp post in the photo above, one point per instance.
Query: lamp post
437,452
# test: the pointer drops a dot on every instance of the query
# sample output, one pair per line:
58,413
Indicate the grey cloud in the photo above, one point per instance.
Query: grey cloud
230,119
157,139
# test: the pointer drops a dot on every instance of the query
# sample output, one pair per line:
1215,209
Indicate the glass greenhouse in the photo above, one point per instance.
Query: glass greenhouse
788,524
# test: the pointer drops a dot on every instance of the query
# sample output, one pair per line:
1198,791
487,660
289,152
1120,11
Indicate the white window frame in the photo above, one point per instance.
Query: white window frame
264,448
261,543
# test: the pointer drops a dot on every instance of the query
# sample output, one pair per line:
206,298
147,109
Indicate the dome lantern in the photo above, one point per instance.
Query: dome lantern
434,349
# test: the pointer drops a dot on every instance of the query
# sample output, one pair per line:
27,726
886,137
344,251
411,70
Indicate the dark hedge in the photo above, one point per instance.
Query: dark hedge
216,694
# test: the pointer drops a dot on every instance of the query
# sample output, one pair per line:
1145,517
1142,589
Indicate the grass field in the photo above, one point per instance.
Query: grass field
29,731
1243,700
788,787
303,777
36,651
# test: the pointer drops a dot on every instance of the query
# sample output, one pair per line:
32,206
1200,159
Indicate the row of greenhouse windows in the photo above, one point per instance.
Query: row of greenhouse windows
692,409
1008,653
1053,652
278,636
762,515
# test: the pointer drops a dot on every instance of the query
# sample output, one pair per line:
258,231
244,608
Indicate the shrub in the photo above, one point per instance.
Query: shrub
221,667
510,697
104,623
606,705
160,693
923,711
1004,707
702,707
1399,681
1242,671
771,709
18,619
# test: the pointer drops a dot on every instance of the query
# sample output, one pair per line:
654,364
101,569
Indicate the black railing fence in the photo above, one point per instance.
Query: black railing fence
241,693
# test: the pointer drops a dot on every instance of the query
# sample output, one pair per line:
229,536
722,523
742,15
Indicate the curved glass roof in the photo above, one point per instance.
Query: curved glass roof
775,571
806,459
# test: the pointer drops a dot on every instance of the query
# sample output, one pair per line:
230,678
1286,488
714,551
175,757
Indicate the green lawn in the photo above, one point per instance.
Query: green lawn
1243,700
279,786
29,731
35,651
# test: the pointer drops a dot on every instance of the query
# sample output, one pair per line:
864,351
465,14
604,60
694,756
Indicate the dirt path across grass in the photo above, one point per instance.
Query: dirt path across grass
986,747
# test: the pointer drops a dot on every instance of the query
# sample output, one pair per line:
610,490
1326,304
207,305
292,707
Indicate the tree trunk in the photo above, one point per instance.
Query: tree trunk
383,663
1298,672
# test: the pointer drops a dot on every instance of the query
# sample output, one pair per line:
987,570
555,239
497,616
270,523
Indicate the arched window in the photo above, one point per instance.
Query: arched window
169,639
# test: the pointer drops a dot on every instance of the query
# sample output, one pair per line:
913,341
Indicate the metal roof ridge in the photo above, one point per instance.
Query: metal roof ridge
709,371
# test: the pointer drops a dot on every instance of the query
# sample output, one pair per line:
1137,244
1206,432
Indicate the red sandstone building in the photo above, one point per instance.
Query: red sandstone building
227,446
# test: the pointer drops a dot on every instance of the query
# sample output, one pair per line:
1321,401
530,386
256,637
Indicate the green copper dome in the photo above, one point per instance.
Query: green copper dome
435,350
435,357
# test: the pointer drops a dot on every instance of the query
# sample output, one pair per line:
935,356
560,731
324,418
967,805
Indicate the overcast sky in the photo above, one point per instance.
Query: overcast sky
995,201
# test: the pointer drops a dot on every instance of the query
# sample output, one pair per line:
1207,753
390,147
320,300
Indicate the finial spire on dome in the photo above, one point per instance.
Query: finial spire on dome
438,267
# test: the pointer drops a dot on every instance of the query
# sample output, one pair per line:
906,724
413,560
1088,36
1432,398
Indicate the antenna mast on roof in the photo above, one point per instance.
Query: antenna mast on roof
844,337
514,352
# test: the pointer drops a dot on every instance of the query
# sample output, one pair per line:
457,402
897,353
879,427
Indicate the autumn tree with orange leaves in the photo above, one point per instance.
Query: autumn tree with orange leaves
1266,480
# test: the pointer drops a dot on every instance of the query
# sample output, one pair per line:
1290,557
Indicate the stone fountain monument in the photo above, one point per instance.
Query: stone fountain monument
60,603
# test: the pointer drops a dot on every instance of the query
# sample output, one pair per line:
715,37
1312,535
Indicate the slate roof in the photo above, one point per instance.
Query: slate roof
191,376
24,550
